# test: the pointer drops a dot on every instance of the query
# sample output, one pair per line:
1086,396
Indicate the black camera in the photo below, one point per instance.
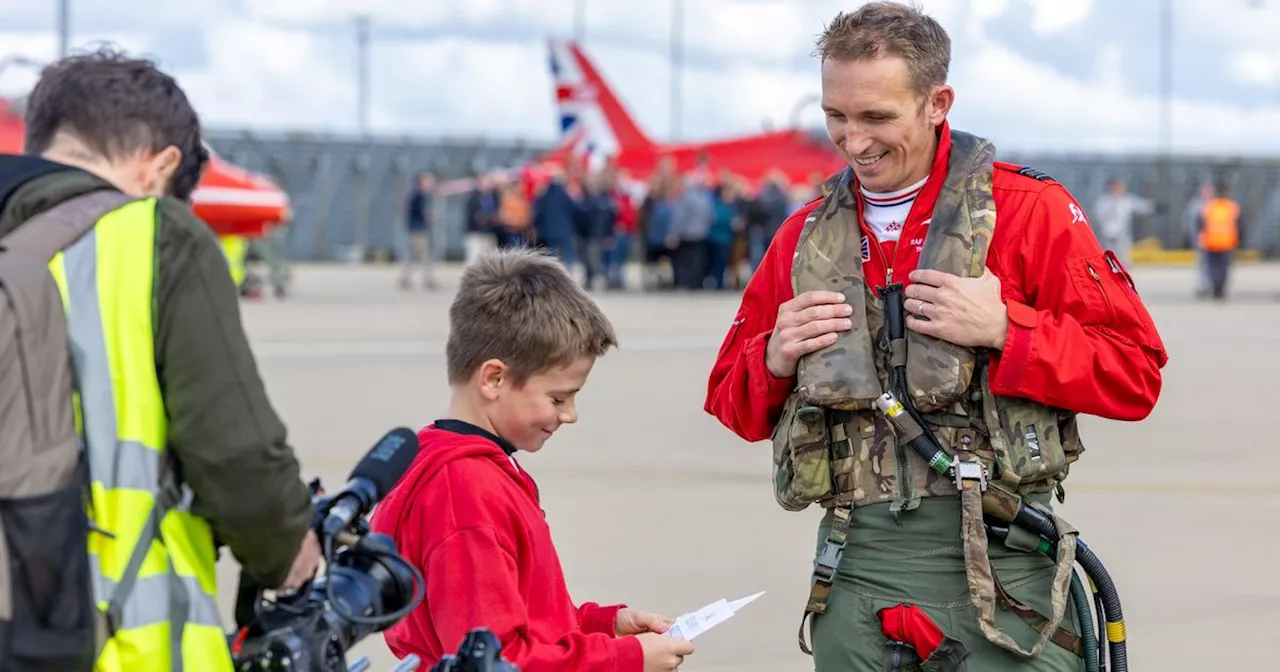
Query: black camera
480,652
366,586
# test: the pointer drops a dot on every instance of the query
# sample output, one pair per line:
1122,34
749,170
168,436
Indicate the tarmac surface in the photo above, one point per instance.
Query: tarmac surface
653,503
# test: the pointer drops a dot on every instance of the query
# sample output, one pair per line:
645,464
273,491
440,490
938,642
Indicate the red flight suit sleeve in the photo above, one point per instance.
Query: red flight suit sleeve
472,573
1079,336
595,618
741,392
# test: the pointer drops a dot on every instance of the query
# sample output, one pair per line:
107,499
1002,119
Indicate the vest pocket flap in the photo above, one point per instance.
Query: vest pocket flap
801,456
1026,438
843,375
938,372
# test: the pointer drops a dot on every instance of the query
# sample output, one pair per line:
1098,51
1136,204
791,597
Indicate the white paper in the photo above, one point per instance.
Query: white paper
695,623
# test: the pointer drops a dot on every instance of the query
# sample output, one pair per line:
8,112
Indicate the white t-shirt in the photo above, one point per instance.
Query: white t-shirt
886,213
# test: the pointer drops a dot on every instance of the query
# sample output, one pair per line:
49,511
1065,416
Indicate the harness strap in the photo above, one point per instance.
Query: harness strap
1060,635
824,570
985,590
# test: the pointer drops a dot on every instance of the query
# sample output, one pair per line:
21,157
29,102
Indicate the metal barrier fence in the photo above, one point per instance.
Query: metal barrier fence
1254,183
349,195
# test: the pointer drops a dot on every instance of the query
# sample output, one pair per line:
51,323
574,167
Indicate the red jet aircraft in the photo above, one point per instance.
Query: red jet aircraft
230,199
594,124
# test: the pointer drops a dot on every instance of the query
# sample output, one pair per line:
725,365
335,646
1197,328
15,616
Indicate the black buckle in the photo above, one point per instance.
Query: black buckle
828,559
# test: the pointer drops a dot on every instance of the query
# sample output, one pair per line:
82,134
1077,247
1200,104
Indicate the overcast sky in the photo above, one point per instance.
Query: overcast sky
1080,75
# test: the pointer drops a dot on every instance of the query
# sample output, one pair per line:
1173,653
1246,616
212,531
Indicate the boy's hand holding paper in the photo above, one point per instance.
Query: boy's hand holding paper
634,622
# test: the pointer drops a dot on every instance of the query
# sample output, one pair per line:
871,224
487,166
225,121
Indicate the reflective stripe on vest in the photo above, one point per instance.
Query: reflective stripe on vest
169,618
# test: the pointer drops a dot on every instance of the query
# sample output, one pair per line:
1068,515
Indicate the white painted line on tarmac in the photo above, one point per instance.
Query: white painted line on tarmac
322,349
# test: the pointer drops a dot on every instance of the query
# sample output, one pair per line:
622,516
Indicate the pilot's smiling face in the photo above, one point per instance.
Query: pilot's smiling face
882,125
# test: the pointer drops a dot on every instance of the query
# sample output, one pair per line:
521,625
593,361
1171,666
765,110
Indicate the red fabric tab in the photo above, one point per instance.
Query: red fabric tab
906,623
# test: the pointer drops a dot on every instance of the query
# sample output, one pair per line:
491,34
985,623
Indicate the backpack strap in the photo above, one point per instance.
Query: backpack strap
55,229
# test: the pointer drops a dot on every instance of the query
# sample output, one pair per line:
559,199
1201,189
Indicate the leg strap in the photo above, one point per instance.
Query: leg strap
824,570
983,585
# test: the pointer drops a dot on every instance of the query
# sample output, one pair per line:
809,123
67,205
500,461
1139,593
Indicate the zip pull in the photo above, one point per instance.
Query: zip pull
888,275
94,527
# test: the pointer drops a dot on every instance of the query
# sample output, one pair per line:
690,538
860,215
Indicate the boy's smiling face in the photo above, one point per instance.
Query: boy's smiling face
527,416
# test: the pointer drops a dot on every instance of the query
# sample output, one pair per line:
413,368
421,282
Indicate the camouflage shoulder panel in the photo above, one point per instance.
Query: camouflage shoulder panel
1026,171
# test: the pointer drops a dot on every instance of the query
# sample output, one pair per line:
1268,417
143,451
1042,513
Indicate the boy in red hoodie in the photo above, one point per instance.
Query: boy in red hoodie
523,338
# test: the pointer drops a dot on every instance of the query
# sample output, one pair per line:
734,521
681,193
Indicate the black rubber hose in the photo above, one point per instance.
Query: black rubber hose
1110,602
1040,524
1088,638
1102,630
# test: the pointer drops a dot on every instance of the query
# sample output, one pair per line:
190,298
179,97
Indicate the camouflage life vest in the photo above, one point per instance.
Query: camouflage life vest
834,448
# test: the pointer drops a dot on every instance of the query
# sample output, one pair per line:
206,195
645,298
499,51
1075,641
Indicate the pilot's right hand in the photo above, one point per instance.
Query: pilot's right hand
807,323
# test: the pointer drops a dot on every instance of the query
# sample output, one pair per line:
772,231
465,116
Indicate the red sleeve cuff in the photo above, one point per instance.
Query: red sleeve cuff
763,383
1017,347
630,654
596,618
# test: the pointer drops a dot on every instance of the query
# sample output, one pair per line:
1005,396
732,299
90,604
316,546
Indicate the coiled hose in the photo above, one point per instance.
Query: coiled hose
1041,524
1110,603
1087,636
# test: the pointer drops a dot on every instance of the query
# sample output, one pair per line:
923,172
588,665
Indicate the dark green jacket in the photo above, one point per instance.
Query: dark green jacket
228,441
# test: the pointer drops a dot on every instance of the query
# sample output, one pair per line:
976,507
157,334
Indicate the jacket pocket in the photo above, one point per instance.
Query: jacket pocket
1088,276
1132,312
731,338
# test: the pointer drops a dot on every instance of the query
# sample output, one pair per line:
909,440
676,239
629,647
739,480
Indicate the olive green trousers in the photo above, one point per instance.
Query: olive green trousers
922,563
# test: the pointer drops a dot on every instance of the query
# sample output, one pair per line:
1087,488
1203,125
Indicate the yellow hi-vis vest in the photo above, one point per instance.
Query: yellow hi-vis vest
236,250
155,576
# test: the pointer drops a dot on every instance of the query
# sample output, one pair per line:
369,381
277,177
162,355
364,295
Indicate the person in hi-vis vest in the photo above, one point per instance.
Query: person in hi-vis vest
1219,238
235,248
185,451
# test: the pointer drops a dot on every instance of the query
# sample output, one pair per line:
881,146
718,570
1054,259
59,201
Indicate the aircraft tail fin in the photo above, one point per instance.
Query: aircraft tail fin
591,114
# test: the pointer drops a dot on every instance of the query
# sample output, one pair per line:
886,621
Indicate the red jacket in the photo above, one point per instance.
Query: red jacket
627,214
469,519
1079,336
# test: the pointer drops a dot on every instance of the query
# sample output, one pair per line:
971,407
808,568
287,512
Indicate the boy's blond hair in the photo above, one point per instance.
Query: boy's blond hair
521,306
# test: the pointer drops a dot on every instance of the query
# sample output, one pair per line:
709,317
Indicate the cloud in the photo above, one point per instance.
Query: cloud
42,47
1228,23
1256,66
1076,115
293,83
1056,16
479,67
980,12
